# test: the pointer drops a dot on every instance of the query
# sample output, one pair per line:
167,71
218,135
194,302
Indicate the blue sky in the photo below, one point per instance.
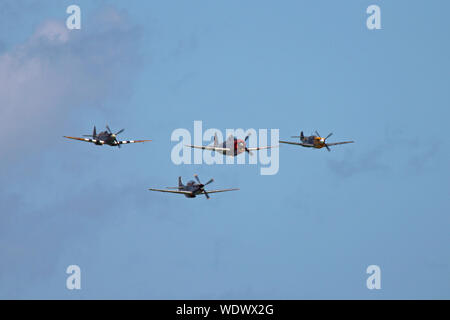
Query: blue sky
151,67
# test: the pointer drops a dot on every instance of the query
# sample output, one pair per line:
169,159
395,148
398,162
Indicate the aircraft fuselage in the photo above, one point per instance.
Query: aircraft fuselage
193,187
315,141
236,146
106,138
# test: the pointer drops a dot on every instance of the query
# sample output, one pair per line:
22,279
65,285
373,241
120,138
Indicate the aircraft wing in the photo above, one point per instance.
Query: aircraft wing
211,148
336,143
86,140
298,143
132,141
223,190
171,191
259,148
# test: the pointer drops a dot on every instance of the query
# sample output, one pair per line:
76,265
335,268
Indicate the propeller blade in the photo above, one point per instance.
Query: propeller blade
317,134
196,178
120,131
326,146
206,194
246,138
209,182
109,130
329,135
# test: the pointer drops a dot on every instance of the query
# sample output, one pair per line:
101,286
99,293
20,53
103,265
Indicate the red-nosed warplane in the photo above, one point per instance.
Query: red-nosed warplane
192,189
231,147
315,141
106,137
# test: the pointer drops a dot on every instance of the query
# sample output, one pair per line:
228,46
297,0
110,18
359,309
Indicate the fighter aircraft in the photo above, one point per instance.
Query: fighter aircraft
192,189
106,137
315,141
231,147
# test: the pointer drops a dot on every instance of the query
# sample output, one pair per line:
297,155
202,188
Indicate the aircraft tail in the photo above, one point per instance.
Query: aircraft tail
302,137
180,183
216,142
94,133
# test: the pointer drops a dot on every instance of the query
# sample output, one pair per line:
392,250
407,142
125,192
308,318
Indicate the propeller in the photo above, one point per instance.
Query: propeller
115,134
202,186
324,140
246,149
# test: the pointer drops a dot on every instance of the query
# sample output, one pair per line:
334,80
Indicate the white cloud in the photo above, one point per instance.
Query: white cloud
57,70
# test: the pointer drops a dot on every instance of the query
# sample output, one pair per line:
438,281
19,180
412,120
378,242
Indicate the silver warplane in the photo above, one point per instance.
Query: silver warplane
231,147
192,189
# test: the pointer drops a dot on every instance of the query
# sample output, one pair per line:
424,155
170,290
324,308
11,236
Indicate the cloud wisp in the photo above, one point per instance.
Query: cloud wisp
57,71
44,80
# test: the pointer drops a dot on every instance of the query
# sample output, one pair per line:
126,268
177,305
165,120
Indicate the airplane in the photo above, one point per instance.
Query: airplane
231,147
106,137
192,189
315,141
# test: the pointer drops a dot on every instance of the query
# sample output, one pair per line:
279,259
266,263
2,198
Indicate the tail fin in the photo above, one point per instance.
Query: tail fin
180,183
302,137
94,133
216,143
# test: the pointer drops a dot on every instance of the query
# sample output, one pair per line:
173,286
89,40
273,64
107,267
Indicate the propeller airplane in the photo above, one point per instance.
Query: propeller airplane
192,188
231,147
315,141
105,137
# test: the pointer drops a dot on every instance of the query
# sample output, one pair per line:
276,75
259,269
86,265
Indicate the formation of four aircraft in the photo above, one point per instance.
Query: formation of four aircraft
231,147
